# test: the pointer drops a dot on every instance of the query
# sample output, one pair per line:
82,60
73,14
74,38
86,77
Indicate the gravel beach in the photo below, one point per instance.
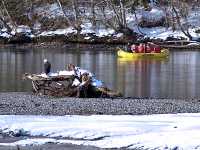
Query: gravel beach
28,104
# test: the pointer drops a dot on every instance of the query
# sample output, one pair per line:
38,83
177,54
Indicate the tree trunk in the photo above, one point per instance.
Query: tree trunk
10,18
66,17
93,13
186,33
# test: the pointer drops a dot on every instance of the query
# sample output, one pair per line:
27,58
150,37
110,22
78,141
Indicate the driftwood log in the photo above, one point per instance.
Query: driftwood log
61,86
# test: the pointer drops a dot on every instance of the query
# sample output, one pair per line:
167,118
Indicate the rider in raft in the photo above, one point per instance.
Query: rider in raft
146,48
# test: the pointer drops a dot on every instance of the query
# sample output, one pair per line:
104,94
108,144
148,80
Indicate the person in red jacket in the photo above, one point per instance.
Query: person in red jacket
157,49
141,48
148,48
154,48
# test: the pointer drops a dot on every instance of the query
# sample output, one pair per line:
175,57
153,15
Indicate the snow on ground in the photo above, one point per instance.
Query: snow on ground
104,32
99,32
193,18
53,11
50,11
23,29
163,131
154,15
59,32
87,28
163,33
5,35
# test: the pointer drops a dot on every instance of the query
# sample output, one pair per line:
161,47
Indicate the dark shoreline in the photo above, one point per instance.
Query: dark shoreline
24,103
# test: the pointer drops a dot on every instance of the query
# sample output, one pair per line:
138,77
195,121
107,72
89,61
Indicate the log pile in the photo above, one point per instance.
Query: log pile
62,85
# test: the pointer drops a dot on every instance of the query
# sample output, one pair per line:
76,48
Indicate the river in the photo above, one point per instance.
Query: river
175,77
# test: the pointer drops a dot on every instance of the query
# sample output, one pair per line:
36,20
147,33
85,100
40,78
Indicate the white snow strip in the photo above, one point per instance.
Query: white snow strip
23,29
37,141
164,131
153,15
163,33
4,34
104,32
50,11
59,32
87,28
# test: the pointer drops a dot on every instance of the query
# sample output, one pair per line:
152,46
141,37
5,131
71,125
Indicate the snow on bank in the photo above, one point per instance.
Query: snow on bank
163,33
100,32
154,15
166,131
59,32
50,10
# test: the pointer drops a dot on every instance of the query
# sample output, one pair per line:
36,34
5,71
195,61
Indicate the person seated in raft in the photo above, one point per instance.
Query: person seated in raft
141,48
148,48
128,48
154,47
133,48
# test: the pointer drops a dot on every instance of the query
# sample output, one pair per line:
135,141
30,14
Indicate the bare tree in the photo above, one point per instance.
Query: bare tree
181,12
93,12
6,18
113,14
65,15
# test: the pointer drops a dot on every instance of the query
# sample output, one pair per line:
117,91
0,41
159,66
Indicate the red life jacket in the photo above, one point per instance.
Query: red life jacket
157,49
141,49
148,49
136,49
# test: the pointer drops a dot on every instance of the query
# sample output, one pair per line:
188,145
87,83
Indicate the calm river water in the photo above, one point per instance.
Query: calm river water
175,77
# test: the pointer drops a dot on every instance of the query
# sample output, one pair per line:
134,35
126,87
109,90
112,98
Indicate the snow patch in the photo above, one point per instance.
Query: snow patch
50,11
23,29
5,34
163,33
59,32
87,28
87,38
105,32
162,131
153,15
119,35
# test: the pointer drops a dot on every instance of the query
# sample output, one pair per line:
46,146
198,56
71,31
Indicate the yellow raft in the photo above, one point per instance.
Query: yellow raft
123,54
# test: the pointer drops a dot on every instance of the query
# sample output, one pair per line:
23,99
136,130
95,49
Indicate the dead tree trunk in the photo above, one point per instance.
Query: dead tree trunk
185,31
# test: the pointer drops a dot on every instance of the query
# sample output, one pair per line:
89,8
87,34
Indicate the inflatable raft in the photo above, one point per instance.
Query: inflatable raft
124,54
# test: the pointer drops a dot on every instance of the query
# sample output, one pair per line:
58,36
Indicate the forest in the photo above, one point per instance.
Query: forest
34,18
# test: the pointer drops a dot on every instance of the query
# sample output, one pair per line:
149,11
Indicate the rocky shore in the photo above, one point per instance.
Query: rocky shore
51,146
28,104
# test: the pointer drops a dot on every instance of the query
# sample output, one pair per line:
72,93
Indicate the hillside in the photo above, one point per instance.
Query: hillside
91,21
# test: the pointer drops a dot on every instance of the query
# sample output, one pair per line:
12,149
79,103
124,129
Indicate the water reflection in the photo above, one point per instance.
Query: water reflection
175,77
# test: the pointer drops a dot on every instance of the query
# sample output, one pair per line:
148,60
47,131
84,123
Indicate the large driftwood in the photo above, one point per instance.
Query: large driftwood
53,86
63,86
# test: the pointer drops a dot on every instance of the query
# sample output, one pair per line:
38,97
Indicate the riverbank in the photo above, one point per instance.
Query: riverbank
50,146
24,103
28,104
